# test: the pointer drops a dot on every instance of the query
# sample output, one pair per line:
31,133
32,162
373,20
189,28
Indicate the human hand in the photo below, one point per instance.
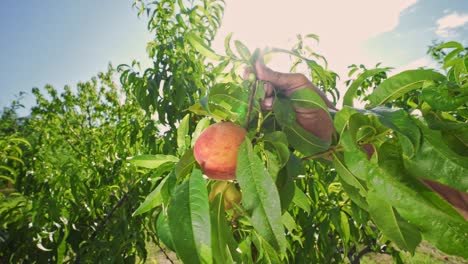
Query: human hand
315,120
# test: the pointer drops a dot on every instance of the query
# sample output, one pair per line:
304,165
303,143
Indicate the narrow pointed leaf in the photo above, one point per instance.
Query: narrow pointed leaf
301,200
243,50
298,137
230,101
185,164
408,132
201,47
439,222
442,97
154,199
351,92
402,83
260,197
182,134
152,161
402,233
436,161
222,241
163,231
353,187
450,44
202,125
308,98
189,220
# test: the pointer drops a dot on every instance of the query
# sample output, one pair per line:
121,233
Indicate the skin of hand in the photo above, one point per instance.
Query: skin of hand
318,122
315,120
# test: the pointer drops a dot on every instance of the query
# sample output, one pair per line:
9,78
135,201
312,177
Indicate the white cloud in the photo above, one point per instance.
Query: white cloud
447,23
343,26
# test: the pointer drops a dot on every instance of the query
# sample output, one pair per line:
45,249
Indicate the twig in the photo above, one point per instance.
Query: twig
156,241
367,249
343,204
103,222
108,216
361,253
251,101
323,154
164,252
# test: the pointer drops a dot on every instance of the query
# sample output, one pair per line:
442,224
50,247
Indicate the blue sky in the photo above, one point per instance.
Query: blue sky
63,42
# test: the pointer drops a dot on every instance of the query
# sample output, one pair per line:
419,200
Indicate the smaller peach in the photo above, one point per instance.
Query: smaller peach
230,193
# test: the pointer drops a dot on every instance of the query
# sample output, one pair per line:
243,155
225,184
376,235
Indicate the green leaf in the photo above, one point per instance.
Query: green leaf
304,141
163,231
399,120
286,189
272,163
154,199
295,167
451,55
230,101
185,164
301,200
279,143
61,249
276,152
289,222
313,36
189,220
307,98
402,233
6,178
243,50
351,92
255,57
441,98
457,140
350,73
400,84
344,224
436,161
245,247
260,197
152,161
298,137
438,221
340,221
182,134
267,254
201,126
442,121
342,117
201,47
354,158
223,243
168,188
353,187
199,109
450,44
227,46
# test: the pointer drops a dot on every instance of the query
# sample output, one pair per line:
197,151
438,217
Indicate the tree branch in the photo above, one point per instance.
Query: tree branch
103,222
251,102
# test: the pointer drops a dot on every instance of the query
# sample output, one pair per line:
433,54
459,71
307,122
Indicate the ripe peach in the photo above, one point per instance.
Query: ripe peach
230,193
216,150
